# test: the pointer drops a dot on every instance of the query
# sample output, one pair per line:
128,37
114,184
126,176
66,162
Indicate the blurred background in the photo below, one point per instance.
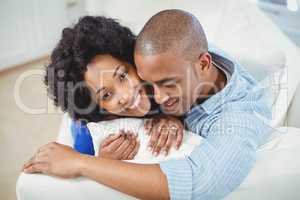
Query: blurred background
29,31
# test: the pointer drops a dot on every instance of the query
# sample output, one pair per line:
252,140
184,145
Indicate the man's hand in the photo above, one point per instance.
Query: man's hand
164,132
133,179
56,160
122,146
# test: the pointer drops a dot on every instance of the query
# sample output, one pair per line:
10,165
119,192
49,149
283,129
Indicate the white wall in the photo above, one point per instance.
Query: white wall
30,29
135,13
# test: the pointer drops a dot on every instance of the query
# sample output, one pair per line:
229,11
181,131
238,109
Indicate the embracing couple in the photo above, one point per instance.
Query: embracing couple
168,73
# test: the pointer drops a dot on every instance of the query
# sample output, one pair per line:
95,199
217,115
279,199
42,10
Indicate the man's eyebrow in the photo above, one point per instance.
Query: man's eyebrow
165,80
116,70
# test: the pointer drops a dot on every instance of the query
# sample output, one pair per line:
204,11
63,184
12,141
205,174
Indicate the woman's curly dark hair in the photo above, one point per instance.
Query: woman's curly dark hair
68,62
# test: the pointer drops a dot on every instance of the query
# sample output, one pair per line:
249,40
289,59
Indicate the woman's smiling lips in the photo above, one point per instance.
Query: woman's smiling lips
136,101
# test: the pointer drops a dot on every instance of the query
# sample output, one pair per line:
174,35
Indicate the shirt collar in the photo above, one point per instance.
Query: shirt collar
216,100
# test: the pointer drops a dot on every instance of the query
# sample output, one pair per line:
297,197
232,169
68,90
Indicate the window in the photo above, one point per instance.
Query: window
290,4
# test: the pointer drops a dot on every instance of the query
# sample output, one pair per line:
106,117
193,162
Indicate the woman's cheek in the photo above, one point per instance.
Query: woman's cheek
133,79
113,107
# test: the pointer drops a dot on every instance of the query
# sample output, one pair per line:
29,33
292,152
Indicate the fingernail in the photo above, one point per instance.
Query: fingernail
155,153
165,153
149,148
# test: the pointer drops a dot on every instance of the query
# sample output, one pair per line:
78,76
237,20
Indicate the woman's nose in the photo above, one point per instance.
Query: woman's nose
124,99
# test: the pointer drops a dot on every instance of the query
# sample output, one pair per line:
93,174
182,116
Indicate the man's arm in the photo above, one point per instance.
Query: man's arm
221,162
138,180
215,168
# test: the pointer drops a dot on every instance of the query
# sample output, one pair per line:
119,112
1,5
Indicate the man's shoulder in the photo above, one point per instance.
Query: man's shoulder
219,51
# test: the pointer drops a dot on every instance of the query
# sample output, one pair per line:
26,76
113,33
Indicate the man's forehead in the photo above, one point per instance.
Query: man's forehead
155,74
154,68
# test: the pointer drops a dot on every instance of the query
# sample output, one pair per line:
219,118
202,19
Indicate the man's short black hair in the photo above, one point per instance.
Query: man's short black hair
172,30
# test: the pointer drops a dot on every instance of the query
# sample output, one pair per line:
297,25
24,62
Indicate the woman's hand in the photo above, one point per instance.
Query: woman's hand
164,132
122,146
56,160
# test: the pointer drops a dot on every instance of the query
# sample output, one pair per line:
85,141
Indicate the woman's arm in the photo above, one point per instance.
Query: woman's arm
138,180
122,146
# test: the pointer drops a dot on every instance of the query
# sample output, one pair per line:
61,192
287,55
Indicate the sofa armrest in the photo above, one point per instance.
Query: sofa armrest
38,186
275,176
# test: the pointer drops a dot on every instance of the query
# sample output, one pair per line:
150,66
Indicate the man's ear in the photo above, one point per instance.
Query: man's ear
203,64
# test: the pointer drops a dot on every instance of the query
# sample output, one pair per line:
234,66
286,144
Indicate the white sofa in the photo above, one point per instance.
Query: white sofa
241,29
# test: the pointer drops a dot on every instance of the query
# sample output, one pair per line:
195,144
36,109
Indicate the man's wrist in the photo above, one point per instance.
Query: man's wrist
81,163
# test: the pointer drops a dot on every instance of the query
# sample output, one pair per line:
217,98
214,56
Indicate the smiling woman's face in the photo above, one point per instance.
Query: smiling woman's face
116,87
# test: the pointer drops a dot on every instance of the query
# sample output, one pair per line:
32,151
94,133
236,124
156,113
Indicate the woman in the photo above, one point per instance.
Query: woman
92,77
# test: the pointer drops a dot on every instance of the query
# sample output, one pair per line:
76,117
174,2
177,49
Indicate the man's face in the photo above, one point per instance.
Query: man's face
173,78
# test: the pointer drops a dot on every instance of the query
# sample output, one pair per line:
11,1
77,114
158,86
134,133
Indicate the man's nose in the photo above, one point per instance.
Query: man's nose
159,95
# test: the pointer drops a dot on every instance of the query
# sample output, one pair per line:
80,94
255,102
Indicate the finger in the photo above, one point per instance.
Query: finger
48,146
155,133
113,146
26,165
33,159
43,148
170,141
161,141
36,168
130,133
109,139
179,137
30,162
148,124
129,149
134,152
122,148
41,157
156,120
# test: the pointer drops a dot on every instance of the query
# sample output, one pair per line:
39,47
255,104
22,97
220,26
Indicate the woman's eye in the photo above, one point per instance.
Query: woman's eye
106,96
123,75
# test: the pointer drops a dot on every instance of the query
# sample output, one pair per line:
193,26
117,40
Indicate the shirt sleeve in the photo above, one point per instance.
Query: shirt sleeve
221,162
83,142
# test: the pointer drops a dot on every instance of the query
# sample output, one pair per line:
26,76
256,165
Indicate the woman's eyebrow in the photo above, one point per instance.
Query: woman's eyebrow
116,70
99,90
115,73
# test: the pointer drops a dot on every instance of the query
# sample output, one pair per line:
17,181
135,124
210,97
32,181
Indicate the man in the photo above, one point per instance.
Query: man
219,100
